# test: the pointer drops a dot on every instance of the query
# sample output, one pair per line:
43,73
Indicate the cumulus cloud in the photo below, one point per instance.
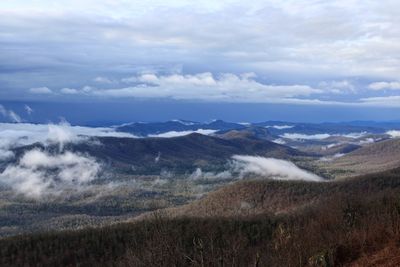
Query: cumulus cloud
39,174
384,86
69,91
86,90
271,168
205,86
41,90
182,133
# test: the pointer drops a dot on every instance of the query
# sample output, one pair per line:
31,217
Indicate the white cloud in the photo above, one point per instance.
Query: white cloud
384,86
381,101
5,154
198,174
393,133
298,136
87,89
182,133
354,135
69,91
61,134
279,141
271,168
3,110
41,90
14,116
185,122
29,133
28,109
204,86
21,134
120,37
280,127
368,141
338,87
39,174
101,79
9,114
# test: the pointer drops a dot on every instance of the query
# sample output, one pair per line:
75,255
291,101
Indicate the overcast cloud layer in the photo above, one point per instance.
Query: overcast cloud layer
343,52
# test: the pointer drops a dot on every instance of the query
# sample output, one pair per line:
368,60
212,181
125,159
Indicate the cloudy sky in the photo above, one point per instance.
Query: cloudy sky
327,55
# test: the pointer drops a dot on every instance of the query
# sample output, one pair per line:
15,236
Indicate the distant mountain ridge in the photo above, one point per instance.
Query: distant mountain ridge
275,127
145,129
376,157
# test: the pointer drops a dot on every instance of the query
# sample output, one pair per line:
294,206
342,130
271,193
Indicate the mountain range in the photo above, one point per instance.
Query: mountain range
180,154
245,184
275,127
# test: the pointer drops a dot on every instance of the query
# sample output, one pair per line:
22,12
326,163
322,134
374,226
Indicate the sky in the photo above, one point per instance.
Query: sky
116,60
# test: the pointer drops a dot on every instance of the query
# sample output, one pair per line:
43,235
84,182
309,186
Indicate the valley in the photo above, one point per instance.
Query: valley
259,175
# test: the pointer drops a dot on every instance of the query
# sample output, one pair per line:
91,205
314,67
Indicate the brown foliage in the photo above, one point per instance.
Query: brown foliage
361,221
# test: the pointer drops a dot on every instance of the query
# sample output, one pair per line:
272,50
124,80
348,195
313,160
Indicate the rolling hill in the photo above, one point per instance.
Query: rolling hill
347,223
259,196
376,157
248,132
178,154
